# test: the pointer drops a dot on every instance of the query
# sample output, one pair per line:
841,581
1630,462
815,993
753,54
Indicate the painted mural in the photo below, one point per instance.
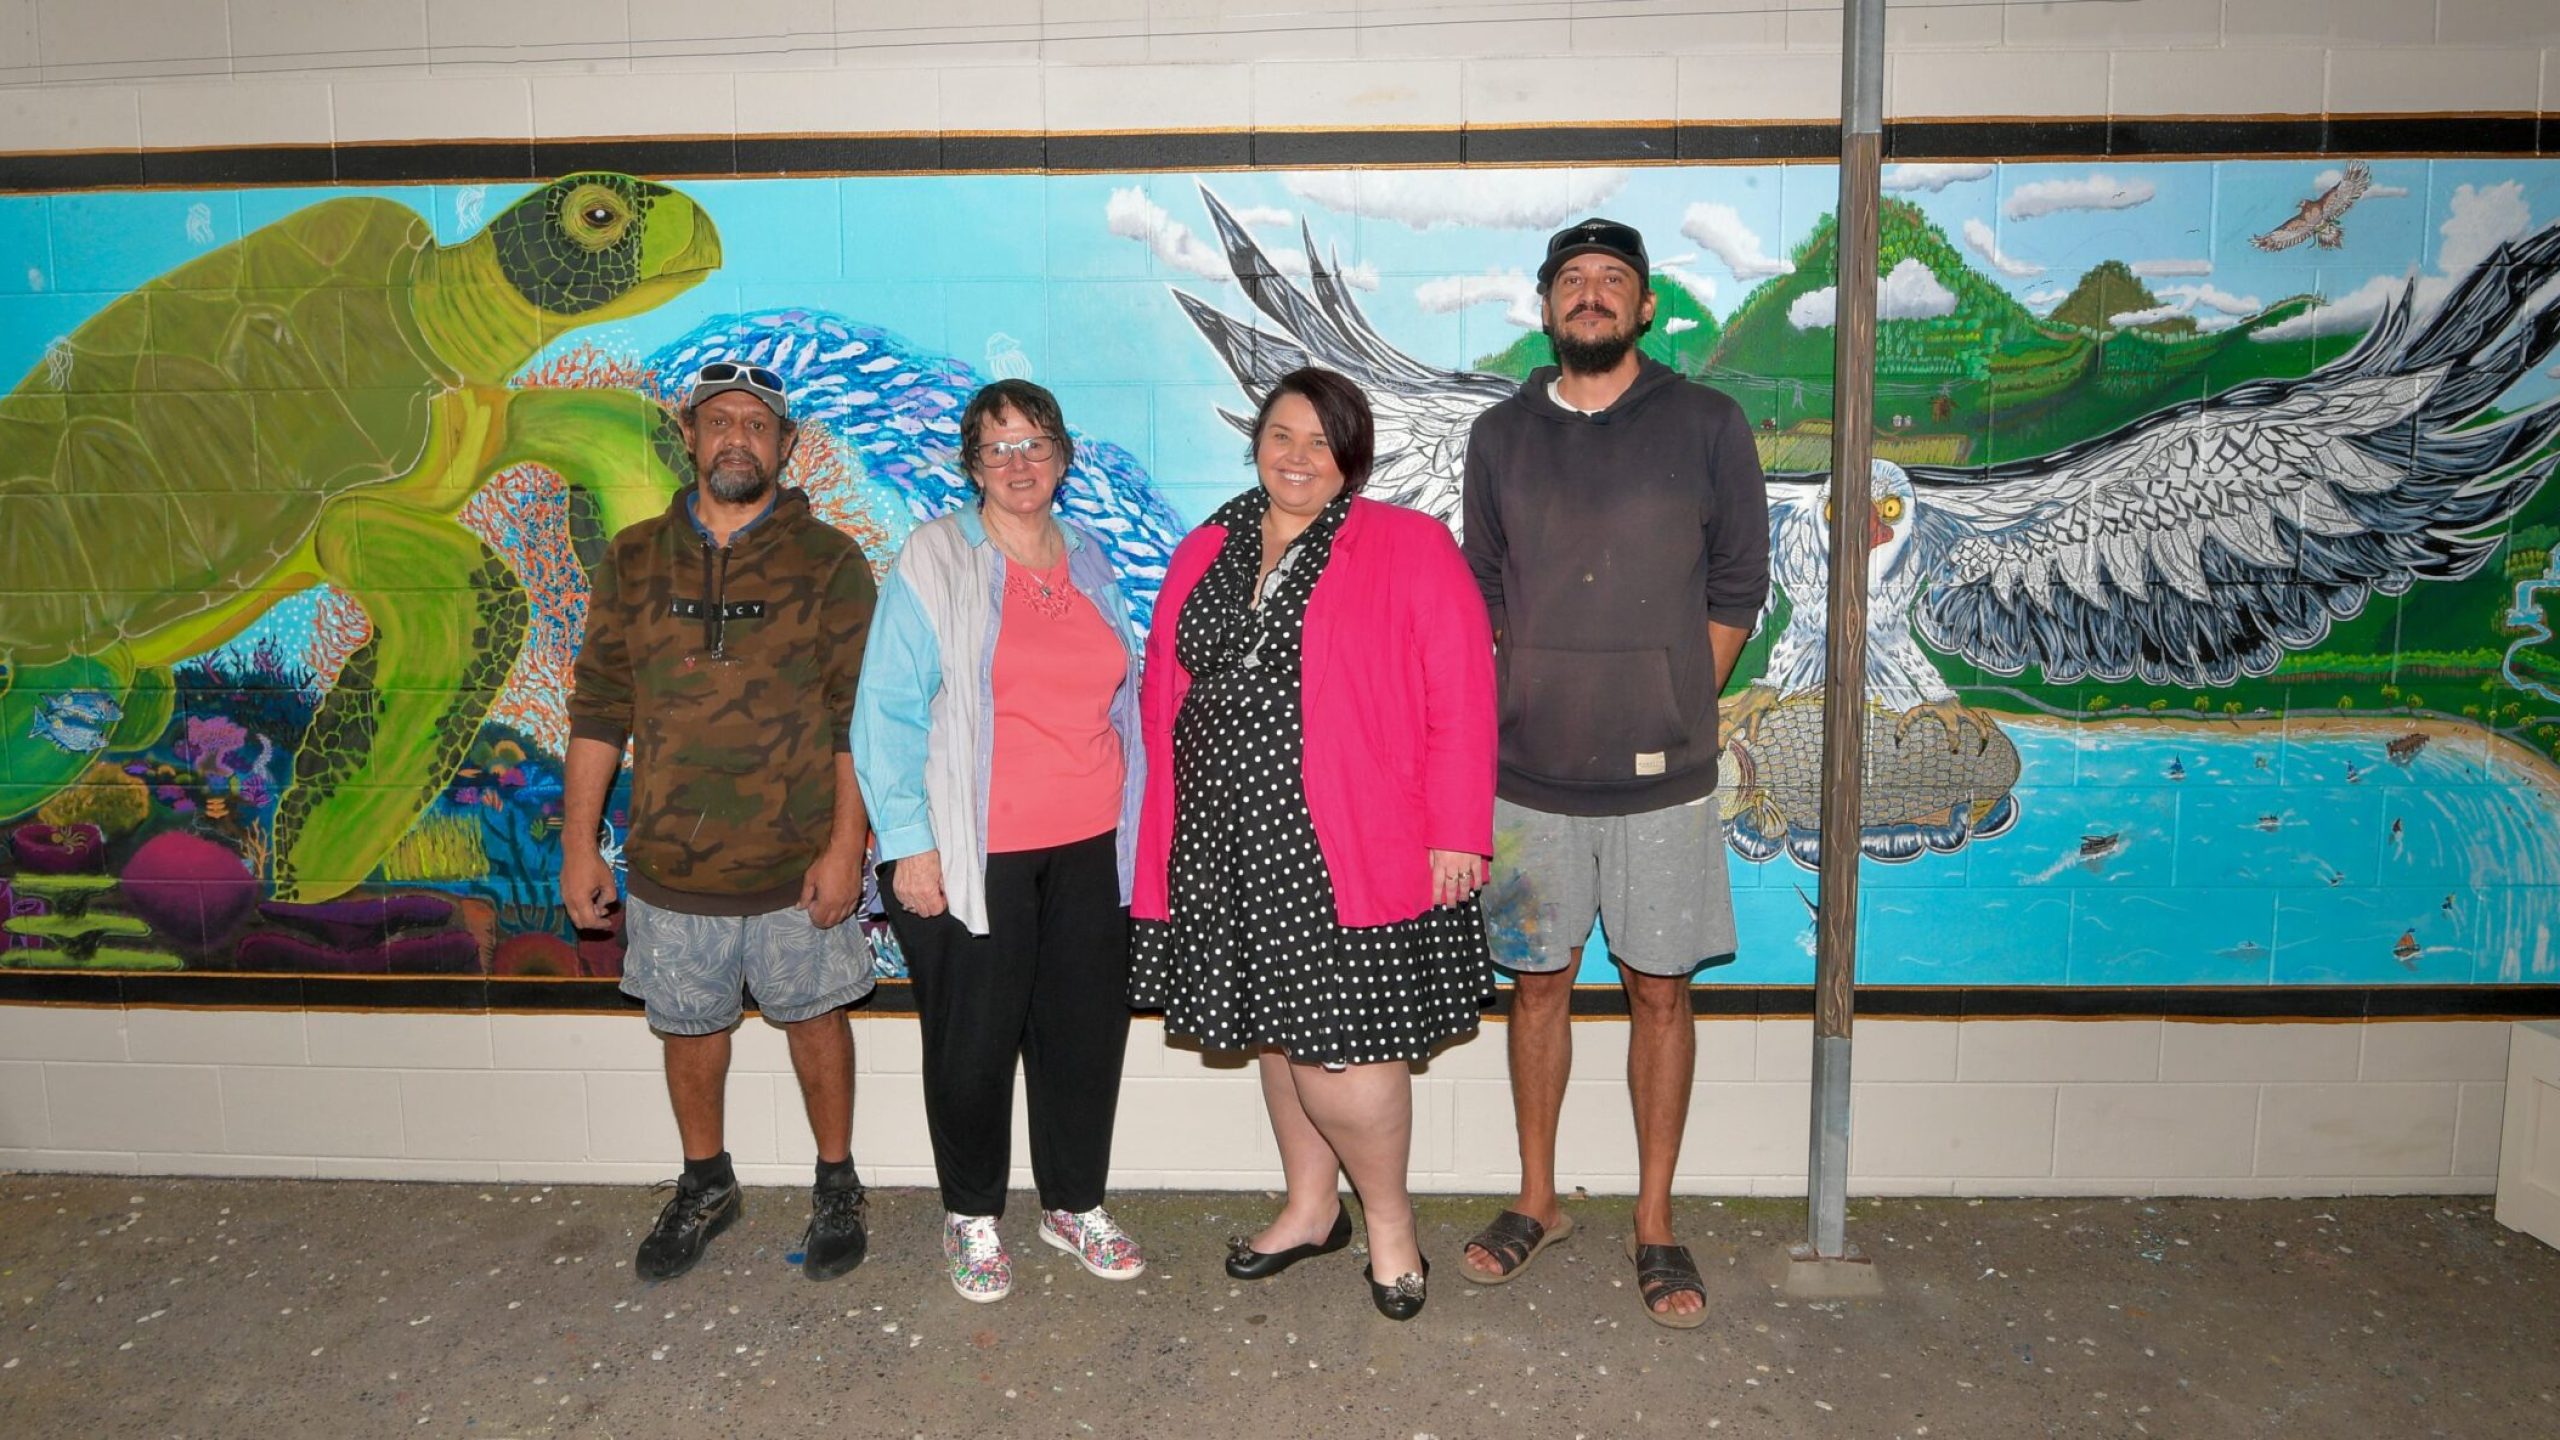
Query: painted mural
2211,627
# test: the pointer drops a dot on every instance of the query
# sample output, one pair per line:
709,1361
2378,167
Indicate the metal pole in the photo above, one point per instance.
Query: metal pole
1844,704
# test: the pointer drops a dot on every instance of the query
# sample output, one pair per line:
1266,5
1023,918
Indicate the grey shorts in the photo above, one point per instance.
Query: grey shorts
690,969
1655,881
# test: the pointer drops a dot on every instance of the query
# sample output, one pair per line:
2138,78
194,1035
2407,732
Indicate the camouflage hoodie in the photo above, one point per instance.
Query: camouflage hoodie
731,672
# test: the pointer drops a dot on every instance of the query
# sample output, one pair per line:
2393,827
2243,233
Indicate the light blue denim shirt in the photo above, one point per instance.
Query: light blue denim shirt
924,750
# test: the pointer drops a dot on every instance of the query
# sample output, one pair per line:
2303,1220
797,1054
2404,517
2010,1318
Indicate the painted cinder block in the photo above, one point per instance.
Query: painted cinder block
493,1115
2372,1130
62,1032
407,1041
2436,1050
2274,1052
308,1111
162,1108
2059,1050
145,39
574,1042
24,1124
628,1119
2477,1131
216,1037
2155,1132
1953,1130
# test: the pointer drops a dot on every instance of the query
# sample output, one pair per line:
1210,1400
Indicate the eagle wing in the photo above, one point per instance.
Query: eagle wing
2199,544
1423,413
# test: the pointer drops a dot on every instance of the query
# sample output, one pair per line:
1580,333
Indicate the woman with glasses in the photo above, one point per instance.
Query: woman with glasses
995,734
1319,708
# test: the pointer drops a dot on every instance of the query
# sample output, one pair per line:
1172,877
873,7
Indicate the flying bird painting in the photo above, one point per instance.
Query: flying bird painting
2317,219
1422,411
2194,546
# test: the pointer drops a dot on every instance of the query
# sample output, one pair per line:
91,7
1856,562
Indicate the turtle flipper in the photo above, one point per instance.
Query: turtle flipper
448,621
618,448
55,720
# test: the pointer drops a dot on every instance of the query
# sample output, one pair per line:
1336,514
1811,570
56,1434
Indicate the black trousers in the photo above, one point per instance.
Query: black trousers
1048,984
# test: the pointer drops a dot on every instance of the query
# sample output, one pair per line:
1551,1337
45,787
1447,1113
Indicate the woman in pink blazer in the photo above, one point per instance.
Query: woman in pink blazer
1318,709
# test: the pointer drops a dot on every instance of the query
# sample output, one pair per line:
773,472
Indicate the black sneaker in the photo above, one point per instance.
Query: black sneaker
837,1238
685,1228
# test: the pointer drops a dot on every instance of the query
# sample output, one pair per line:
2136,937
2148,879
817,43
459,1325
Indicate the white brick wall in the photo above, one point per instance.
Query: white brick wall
1981,1107
100,72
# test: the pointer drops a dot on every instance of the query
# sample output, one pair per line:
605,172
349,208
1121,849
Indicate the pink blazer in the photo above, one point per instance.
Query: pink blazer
1398,700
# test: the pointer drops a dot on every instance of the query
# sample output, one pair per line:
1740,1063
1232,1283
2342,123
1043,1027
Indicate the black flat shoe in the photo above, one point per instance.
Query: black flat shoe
1402,1300
1246,1263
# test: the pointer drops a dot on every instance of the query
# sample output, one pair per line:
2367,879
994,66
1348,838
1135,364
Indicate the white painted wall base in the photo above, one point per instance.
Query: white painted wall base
2021,1107
2529,1157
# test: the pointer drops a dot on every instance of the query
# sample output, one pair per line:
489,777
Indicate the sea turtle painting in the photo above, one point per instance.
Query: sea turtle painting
315,403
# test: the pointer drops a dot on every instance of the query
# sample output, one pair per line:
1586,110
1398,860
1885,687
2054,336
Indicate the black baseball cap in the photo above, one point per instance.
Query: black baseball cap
1606,237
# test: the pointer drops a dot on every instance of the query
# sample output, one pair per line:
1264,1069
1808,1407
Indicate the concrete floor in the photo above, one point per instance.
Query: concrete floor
292,1308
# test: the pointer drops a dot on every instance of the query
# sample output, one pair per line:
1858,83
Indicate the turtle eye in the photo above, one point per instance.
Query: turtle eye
595,217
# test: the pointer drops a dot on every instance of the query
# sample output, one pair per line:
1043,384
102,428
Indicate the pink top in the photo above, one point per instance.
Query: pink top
1056,775
1398,698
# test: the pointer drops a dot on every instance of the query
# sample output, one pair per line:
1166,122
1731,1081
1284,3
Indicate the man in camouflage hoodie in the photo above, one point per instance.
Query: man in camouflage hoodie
723,639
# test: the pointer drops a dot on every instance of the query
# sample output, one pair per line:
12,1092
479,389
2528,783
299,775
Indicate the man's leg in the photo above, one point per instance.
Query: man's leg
1544,890
1540,1049
804,977
697,1086
1662,1060
1665,890
822,1056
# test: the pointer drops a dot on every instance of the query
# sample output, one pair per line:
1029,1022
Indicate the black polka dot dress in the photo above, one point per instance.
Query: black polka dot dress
1253,954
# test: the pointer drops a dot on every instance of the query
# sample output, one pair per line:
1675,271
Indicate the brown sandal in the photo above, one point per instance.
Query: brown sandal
1512,1240
1663,1271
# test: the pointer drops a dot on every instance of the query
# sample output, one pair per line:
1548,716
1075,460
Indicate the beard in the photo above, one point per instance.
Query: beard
1592,357
736,479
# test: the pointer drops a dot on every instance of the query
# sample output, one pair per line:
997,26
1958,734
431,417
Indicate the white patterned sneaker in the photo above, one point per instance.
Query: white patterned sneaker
980,1270
1096,1240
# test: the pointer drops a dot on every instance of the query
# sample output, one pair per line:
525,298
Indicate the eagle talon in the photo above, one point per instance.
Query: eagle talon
1954,717
1744,712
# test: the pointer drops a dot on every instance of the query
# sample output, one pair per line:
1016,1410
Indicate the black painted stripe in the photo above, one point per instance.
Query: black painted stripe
1176,150
464,994
1302,148
709,155
1784,140
2059,138
1571,145
241,166
1995,140
442,161
837,154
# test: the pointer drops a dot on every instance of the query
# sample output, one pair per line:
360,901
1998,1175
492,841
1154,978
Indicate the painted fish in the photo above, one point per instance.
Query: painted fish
79,720
898,408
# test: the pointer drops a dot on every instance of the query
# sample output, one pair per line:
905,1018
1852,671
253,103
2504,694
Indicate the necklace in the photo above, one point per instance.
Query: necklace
1047,593
1044,589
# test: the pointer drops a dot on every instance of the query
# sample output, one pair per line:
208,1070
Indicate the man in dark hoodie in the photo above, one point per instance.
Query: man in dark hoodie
723,638
1618,524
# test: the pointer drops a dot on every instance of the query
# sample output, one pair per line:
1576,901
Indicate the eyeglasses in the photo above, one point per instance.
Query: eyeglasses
993,454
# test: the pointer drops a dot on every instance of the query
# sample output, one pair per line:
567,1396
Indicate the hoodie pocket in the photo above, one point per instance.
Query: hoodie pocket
1589,714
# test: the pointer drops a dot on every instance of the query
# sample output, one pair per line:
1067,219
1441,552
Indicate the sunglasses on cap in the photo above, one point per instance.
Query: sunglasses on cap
721,376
